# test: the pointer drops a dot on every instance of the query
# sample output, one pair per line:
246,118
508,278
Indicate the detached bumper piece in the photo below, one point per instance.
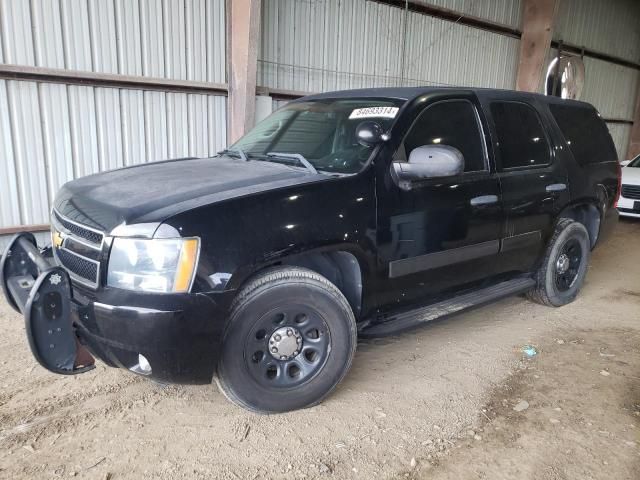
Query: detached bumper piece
42,293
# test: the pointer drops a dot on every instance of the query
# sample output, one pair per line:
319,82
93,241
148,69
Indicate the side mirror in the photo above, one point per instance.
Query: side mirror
428,161
625,163
369,133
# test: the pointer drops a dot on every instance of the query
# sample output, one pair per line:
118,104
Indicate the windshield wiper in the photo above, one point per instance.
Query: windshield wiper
297,156
234,152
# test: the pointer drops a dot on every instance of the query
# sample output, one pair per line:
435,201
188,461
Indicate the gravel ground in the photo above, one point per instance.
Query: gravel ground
437,402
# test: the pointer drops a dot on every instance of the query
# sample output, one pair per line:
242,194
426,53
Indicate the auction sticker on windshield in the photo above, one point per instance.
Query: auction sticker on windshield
373,112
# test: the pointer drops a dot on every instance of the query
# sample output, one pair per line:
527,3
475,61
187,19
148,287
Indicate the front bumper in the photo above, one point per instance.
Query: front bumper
177,334
626,207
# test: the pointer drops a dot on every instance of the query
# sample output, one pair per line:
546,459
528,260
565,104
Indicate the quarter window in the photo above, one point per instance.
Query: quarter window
585,133
453,123
521,138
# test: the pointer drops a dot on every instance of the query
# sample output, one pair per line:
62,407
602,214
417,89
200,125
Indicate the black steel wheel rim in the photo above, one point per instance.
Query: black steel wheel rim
291,369
567,265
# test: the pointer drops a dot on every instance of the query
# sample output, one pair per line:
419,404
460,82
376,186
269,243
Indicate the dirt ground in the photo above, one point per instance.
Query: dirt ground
456,399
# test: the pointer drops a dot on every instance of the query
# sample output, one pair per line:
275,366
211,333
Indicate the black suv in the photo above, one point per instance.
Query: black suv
350,213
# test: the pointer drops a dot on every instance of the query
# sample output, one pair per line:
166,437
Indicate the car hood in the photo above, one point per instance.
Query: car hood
631,175
150,193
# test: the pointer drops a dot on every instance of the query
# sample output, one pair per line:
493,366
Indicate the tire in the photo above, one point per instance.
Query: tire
312,328
555,288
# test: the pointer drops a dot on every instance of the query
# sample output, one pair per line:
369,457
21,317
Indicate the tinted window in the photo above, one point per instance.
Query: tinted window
452,123
585,133
521,138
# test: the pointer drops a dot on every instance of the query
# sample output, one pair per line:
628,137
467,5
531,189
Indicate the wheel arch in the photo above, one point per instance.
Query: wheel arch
344,265
588,213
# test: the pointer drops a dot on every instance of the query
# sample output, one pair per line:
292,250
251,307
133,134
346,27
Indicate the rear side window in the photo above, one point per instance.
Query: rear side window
585,133
453,123
521,138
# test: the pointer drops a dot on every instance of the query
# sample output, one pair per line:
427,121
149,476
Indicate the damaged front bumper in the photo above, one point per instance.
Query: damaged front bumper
172,338
41,291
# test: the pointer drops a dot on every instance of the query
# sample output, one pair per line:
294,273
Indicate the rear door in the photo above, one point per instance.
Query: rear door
534,183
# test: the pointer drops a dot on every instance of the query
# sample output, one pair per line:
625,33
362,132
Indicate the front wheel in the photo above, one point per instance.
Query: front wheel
564,266
290,339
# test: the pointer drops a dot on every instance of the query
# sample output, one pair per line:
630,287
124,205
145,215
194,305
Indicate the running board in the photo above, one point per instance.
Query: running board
444,308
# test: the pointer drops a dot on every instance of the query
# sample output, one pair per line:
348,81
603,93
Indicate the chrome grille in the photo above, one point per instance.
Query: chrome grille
631,191
82,267
77,249
78,230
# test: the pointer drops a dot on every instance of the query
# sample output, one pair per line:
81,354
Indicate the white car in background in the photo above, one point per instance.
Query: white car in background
629,203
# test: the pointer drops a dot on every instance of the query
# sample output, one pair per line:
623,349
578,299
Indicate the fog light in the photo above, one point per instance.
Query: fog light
143,367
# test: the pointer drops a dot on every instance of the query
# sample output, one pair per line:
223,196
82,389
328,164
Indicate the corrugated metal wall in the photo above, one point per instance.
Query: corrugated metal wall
51,133
611,27
337,44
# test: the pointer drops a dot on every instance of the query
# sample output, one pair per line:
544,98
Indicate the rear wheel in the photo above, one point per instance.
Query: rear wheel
564,266
291,338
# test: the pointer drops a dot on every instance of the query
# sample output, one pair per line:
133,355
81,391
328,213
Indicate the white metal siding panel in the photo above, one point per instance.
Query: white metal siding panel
128,35
620,134
102,17
196,41
217,123
174,31
339,44
157,38
47,33
84,137
108,128
446,53
28,151
507,12
198,129
611,88
177,125
216,41
132,118
16,31
611,26
9,203
155,125
75,31
153,42
56,135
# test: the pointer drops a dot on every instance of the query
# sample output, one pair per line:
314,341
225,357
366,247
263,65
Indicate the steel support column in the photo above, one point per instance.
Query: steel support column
537,21
243,28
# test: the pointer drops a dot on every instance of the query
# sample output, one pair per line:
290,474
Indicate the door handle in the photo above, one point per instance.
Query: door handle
556,187
483,200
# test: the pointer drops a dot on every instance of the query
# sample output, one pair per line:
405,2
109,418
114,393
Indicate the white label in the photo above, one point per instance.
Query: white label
373,112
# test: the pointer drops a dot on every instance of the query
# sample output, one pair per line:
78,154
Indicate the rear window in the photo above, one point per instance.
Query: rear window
585,133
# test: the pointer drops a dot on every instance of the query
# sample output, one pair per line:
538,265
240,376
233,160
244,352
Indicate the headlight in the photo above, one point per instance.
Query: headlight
157,265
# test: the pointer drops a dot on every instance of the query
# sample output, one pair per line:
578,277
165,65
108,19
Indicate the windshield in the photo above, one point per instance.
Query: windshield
322,131
635,162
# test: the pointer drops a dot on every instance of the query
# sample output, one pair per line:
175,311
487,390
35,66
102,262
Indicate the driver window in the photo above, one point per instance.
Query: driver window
453,123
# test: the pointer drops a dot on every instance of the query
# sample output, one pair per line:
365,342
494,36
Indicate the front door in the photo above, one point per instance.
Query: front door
441,234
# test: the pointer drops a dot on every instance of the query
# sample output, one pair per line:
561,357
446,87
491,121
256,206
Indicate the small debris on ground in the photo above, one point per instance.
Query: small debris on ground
521,406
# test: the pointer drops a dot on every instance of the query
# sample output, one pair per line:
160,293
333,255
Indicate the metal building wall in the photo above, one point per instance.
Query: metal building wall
52,132
336,44
611,27
506,12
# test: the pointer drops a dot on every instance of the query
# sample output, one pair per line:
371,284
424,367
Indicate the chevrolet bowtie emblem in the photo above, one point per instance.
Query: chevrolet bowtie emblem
57,239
